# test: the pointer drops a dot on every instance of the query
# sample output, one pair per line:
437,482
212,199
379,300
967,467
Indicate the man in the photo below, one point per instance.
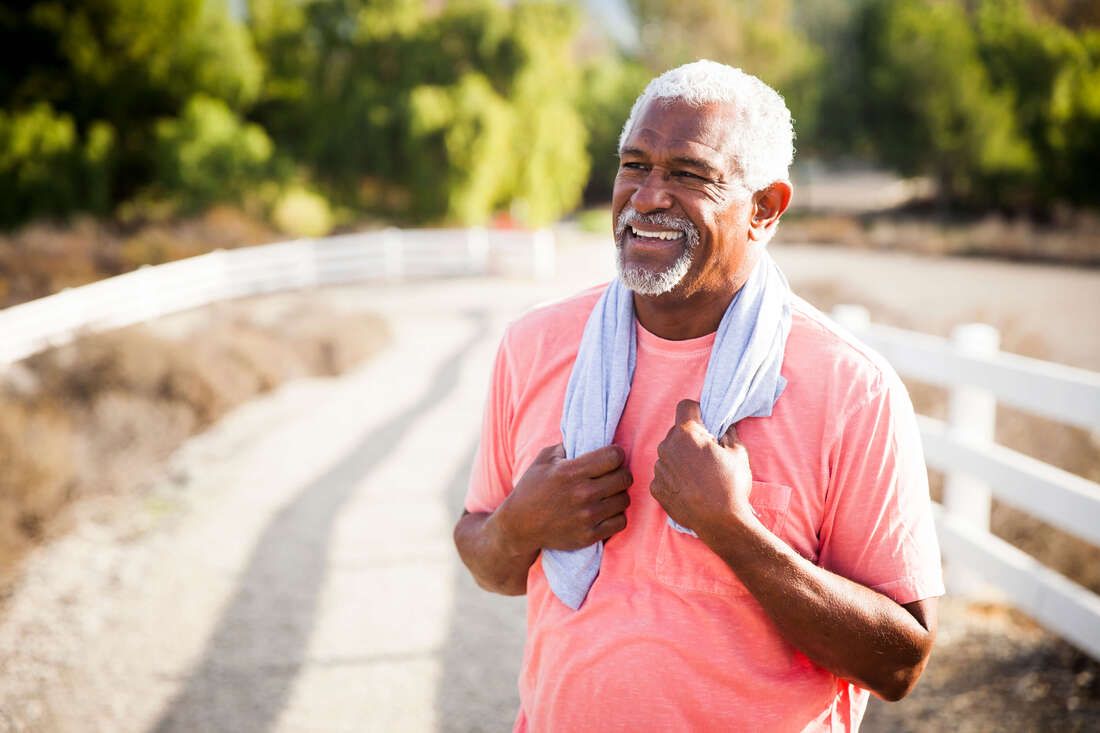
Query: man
808,579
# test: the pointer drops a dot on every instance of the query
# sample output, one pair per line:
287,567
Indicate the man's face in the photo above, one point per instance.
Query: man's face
681,214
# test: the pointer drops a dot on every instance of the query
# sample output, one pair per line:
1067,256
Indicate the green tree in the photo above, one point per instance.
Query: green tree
208,154
47,168
428,116
1052,75
930,105
111,69
761,38
610,87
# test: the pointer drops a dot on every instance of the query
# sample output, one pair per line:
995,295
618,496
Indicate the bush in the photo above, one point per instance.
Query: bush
609,89
208,154
932,106
46,169
302,213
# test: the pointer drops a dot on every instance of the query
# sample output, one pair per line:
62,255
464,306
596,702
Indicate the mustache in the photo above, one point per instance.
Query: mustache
630,215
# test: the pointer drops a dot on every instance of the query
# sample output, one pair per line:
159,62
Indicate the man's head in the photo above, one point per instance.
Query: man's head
704,166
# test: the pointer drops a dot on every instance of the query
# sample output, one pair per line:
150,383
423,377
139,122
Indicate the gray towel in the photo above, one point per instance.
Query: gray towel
742,380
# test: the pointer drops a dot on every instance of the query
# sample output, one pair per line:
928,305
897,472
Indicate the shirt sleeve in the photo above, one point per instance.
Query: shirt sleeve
491,476
878,528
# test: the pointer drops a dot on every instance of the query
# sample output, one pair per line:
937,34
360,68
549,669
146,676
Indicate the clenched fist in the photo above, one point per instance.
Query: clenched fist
701,482
567,504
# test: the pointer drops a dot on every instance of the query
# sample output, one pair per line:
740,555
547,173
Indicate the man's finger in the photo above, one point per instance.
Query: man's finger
598,462
613,482
688,410
550,453
730,439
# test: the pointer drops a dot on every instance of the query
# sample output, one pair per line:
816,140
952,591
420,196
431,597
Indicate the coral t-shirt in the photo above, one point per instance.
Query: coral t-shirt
668,638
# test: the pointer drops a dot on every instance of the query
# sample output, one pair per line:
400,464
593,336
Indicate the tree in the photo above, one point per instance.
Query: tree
108,70
930,106
760,38
1052,75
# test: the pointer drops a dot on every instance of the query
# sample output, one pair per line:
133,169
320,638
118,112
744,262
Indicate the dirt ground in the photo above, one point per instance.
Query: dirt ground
290,569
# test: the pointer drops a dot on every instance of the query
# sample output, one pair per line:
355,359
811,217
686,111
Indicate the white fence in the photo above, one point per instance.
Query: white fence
979,376
384,255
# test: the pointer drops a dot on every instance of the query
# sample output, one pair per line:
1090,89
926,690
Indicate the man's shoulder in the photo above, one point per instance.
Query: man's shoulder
823,354
554,325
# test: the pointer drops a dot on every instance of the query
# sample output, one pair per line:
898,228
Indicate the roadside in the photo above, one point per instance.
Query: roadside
94,418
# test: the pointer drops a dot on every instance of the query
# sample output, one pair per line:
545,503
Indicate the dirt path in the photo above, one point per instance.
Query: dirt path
292,570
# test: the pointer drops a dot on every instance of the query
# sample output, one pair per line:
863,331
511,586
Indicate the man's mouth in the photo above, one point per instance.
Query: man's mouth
665,234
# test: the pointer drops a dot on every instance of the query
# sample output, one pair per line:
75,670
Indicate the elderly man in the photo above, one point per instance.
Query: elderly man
670,586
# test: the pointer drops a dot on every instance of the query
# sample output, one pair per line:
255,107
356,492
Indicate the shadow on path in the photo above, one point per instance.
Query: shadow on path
258,647
484,647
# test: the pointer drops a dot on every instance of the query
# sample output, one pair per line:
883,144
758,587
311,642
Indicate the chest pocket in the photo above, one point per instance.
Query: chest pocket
684,562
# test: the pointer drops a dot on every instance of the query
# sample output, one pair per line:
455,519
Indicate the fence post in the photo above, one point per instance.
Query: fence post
477,248
972,416
393,253
542,254
150,303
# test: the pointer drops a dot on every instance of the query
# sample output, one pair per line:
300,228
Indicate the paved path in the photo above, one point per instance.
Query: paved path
294,571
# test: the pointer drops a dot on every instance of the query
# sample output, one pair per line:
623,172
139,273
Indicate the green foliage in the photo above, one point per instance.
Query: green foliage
459,114
46,169
208,154
610,87
1053,77
761,38
419,111
931,103
302,213
111,69
462,133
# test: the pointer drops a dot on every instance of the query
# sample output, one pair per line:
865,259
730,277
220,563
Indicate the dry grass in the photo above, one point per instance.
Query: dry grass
98,415
1073,238
43,258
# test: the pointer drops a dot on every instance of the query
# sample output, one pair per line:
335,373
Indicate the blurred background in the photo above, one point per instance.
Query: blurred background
948,170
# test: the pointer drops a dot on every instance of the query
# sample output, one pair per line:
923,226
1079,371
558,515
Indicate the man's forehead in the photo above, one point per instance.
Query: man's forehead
676,127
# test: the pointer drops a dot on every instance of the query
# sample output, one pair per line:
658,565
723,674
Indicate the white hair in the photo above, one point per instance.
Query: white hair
763,138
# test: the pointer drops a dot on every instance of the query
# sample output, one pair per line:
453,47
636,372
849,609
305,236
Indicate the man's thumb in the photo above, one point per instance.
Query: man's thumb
688,410
551,453
730,438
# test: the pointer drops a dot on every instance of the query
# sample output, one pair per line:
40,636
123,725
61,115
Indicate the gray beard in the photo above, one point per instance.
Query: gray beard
641,279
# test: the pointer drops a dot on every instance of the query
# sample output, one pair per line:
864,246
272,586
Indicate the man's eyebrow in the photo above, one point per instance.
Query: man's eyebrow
682,160
699,163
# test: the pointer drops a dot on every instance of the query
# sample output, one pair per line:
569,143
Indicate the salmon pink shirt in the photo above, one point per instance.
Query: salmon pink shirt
668,639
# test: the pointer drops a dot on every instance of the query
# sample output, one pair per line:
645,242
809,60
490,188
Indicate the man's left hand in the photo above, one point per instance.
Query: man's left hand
701,482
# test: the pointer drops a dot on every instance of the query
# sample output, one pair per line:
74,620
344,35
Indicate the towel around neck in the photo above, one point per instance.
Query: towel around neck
742,380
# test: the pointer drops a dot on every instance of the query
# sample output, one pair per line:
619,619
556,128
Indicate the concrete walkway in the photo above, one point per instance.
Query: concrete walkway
293,571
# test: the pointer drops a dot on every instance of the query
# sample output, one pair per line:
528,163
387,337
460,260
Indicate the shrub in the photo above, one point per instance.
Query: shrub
46,169
208,154
300,212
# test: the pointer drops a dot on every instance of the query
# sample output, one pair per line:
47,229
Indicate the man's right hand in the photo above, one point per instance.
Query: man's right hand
567,504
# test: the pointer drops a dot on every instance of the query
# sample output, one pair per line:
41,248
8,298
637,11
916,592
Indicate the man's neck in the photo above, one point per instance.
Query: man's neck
677,316
680,319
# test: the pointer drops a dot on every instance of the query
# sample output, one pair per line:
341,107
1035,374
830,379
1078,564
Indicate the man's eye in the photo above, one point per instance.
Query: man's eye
634,166
688,174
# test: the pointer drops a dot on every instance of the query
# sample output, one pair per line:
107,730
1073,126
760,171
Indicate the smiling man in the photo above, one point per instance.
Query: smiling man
716,503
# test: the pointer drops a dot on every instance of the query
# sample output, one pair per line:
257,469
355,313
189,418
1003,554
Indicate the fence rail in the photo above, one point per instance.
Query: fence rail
977,468
385,255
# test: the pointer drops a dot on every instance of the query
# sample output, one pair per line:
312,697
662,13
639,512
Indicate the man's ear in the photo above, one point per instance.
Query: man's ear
768,205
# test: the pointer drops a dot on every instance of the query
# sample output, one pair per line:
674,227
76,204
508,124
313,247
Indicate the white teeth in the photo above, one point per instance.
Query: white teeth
656,235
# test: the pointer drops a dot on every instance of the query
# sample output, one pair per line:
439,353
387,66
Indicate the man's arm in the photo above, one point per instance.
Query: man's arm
558,503
847,628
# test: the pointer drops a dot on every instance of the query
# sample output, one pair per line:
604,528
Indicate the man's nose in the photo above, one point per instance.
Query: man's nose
652,193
